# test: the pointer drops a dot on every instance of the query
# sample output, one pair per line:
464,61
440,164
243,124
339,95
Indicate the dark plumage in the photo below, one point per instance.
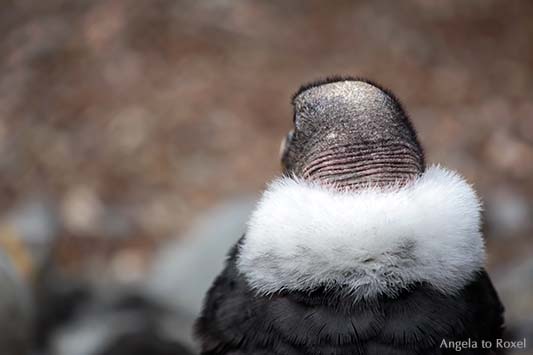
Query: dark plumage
346,142
237,321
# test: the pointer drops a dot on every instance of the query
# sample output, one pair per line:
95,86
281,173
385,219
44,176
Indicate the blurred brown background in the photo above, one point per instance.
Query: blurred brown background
121,121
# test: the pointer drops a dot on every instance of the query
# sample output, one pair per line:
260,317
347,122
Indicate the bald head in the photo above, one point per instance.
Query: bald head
350,133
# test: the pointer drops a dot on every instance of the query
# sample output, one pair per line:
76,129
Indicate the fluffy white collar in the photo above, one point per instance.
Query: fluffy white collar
372,241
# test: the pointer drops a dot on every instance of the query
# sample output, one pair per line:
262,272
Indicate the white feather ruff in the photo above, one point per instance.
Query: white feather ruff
372,241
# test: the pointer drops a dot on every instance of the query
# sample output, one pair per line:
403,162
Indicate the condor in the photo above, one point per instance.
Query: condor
359,248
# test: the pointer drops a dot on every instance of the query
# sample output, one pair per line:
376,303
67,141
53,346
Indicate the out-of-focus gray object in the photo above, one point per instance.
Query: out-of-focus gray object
508,212
116,321
184,269
27,235
515,286
35,224
15,309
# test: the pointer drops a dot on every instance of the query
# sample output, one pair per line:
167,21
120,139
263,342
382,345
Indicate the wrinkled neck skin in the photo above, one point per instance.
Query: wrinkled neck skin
355,166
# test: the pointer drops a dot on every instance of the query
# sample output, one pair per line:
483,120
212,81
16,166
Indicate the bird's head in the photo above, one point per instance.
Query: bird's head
350,133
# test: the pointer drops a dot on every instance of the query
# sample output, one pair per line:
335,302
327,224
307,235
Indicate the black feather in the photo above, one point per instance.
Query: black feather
235,320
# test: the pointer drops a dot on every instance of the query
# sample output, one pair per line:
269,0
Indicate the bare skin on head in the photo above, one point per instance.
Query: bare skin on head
350,133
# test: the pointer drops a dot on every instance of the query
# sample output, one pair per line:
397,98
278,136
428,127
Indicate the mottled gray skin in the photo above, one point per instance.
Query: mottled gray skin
350,133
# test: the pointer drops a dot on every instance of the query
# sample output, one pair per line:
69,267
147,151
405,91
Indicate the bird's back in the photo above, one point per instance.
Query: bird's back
236,320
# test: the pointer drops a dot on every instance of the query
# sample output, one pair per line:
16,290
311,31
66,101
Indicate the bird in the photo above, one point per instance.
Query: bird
359,247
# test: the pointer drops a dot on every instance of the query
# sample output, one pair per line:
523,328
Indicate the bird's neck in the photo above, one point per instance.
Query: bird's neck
353,166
